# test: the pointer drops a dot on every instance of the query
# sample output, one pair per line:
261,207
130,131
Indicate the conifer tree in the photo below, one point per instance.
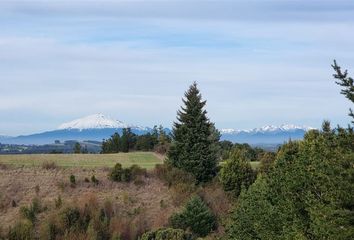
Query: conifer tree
347,83
194,139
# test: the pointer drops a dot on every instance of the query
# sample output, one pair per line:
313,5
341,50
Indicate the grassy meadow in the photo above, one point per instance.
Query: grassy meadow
146,160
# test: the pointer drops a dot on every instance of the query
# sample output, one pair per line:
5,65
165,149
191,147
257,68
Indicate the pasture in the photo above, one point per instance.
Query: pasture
146,160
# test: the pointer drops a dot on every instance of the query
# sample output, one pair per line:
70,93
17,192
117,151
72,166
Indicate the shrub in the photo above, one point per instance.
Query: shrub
116,173
94,180
119,174
30,212
50,230
58,202
236,174
166,234
21,231
71,218
137,171
126,175
196,216
72,180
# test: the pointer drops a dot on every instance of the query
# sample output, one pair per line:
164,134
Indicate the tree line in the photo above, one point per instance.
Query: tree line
156,140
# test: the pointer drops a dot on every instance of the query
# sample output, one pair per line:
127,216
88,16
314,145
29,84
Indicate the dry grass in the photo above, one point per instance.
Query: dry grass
143,159
134,202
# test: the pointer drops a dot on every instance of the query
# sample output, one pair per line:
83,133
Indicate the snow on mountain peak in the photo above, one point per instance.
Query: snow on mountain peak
93,122
269,128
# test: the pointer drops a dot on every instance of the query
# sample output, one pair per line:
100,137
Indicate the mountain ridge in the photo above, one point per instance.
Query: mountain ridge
97,127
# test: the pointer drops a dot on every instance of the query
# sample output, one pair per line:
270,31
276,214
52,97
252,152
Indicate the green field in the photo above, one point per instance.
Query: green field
144,159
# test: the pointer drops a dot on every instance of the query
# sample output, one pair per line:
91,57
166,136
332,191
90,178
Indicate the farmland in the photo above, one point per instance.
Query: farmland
144,159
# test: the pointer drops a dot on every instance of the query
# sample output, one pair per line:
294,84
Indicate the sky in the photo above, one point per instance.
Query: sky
256,62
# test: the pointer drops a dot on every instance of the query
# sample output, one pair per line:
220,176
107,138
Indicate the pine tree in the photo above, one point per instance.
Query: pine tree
347,83
194,138
124,146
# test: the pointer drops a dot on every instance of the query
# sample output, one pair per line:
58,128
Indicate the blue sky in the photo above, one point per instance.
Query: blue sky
256,62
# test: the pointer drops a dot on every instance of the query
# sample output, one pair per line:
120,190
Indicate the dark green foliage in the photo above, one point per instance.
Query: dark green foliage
266,162
157,140
94,180
119,174
347,83
196,216
74,220
166,234
306,195
30,213
237,173
77,148
126,175
72,180
116,173
194,138
225,149
21,231
58,202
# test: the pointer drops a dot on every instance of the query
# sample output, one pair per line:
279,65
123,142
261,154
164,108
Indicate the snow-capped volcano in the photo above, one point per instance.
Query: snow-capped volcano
269,129
95,121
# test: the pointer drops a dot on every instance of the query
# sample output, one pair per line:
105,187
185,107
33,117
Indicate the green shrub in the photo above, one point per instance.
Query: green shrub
30,212
126,175
119,174
94,180
58,202
236,174
196,216
72,180
72,219
50,230
116,173
166,234
21,231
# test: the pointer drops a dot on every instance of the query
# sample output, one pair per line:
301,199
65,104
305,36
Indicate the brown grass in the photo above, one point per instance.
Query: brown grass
137,204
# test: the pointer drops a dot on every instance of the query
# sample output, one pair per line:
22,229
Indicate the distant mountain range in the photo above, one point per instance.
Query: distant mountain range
266,135
98,127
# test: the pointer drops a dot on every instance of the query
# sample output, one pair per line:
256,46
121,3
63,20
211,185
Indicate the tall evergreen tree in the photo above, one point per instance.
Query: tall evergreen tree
194,138
347,83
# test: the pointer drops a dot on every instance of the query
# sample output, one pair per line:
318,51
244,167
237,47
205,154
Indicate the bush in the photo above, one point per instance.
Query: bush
71,219
58,202
72,180
50,230
119,174
196,216
21,231
30,212
236,174
116,173
94,180
166,234
126,175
